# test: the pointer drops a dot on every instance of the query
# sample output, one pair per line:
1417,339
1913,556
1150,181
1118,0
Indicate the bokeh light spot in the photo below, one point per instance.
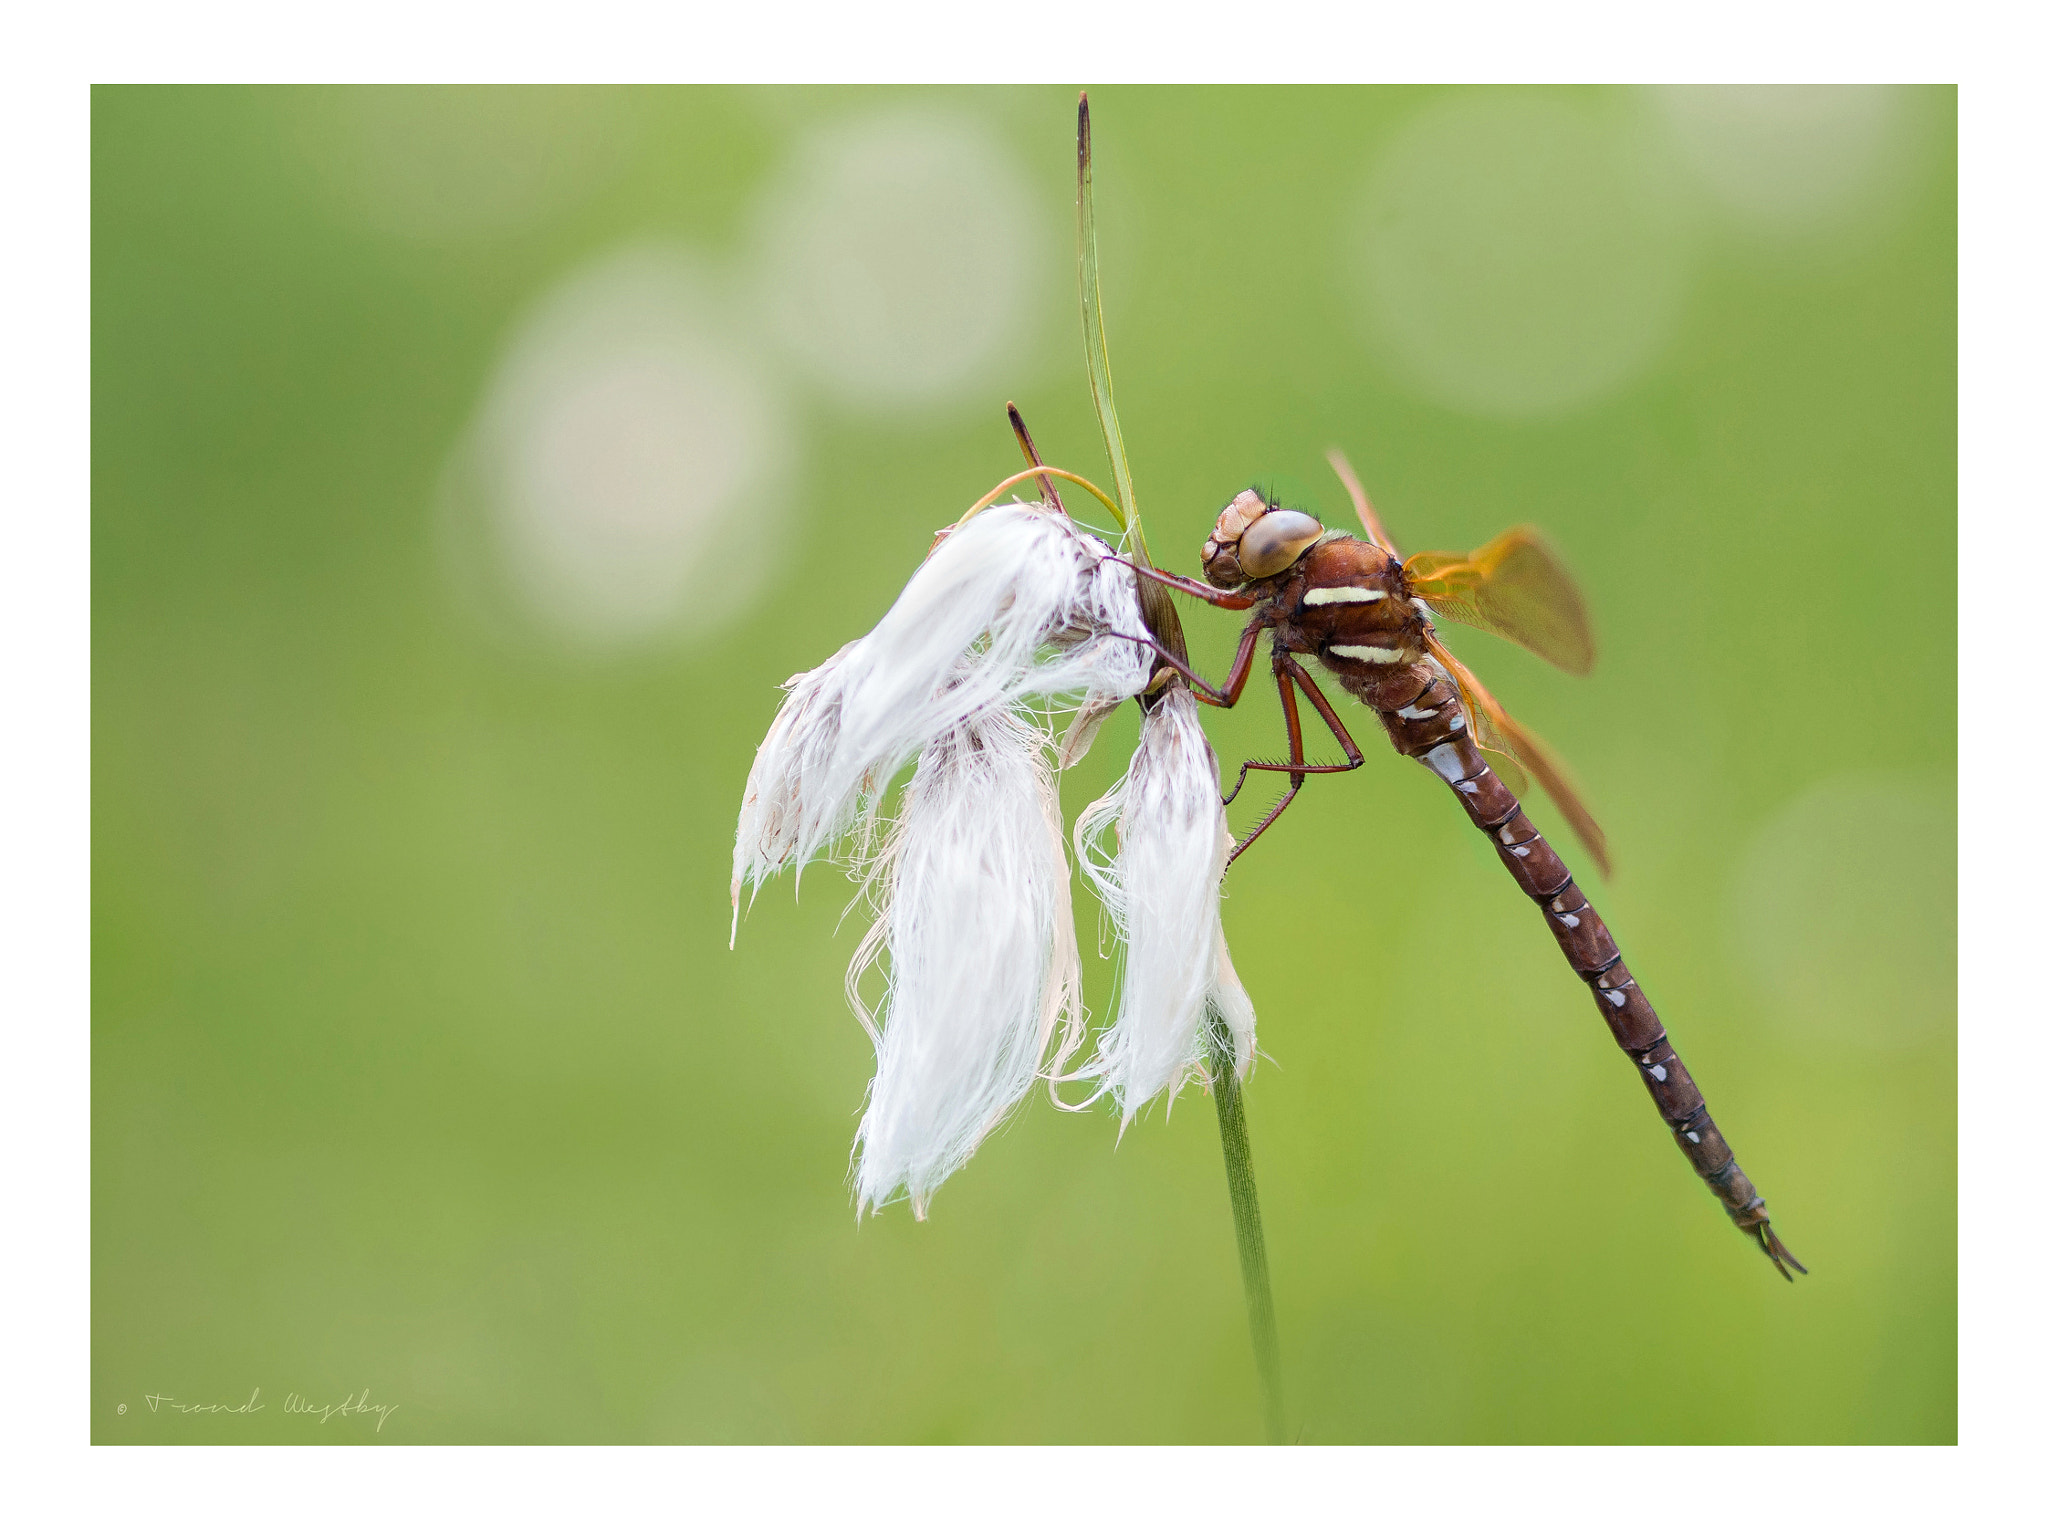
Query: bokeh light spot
1845,910
627,461
1514,254
901,257
1788,161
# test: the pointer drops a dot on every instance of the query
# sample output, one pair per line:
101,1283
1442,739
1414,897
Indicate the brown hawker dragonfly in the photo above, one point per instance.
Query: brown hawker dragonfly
1367,617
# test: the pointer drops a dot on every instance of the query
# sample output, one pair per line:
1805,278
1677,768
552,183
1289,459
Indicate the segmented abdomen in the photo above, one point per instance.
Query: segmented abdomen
1425,719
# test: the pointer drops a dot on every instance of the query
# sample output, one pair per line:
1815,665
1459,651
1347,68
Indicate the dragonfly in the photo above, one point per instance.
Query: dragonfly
1367,617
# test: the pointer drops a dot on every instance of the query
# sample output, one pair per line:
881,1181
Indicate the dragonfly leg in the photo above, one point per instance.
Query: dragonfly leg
1287,668
1322,705
1223,599
1232,689
1286,673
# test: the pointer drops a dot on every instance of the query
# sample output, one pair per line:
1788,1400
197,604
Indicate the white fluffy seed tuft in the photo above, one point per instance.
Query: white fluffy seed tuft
1013,607
970,887
1162,890
975,911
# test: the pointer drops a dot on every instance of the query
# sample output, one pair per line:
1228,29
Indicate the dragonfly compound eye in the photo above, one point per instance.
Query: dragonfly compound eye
1219,553
1275,540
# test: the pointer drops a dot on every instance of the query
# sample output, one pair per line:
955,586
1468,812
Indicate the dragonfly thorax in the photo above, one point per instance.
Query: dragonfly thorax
1345,602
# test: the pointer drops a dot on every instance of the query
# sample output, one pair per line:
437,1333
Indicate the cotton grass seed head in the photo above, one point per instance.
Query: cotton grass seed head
1161,888
1014,610
976,916
1015,606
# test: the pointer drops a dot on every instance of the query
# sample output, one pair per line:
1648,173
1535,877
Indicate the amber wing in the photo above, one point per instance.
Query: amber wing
1500,735
1515,587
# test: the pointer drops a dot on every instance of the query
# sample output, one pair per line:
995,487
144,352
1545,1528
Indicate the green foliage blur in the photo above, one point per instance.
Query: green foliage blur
422,1073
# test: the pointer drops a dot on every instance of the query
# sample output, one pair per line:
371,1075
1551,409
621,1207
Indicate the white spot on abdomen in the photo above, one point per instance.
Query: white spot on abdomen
1342,595
1365,653
1415,715
1615,996
1657,1072
1445,762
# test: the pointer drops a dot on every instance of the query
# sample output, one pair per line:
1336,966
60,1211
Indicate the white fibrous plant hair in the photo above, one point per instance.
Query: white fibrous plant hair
1014,609
1162,888
975,912
1014,606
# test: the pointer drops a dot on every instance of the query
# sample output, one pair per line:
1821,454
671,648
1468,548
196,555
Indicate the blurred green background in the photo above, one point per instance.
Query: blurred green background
470,467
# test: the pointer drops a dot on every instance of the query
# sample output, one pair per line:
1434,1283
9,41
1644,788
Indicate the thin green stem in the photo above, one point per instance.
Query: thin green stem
1153,601
1251,1236
1164,623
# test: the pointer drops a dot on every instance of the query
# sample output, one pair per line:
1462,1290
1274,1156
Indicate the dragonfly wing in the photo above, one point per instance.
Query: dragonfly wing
1549,773
1515,587
1486,737
1505,765
1375,533
1497,734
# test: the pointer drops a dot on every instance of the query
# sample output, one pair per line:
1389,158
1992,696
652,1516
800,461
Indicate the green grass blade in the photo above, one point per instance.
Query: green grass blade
1156,604
1251,1236
1164,622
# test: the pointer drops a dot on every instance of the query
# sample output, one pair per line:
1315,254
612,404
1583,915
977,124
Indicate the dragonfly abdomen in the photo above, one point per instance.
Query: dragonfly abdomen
1425,719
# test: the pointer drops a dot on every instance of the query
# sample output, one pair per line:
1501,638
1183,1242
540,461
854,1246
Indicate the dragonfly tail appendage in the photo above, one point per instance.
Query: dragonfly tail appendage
1775,1250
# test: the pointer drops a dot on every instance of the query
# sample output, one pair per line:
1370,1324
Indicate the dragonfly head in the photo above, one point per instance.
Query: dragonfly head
1256,540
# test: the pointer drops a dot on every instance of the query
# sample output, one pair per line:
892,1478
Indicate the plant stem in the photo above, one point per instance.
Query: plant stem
1251,1237
1160,618
1164,624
